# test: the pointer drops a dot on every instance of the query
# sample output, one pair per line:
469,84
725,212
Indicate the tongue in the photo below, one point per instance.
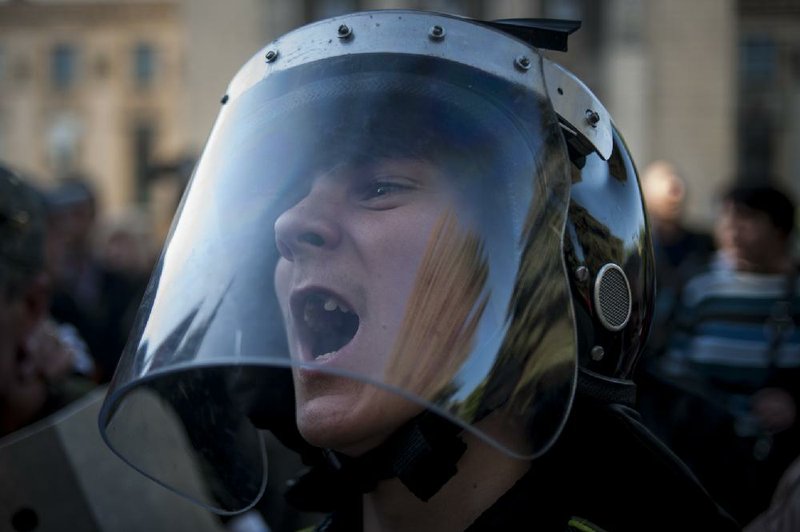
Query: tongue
331,329
328,343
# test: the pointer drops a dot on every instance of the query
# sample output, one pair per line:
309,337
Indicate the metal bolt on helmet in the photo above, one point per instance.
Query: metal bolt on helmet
387,220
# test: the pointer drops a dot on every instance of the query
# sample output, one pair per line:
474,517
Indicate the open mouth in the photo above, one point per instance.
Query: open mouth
329,324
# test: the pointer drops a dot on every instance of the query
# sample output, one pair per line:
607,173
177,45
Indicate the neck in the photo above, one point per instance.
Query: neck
484,474
667,230
777,265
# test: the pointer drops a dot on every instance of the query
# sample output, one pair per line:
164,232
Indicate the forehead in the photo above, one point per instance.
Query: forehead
734,209
755,219
384,167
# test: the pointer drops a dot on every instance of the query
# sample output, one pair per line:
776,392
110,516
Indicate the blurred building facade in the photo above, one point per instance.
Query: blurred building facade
769,90
91,88
124,90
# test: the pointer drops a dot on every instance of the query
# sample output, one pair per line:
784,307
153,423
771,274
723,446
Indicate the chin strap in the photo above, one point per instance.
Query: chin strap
422,454
606,390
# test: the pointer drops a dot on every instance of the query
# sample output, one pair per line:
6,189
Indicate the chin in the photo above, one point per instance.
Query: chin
352,425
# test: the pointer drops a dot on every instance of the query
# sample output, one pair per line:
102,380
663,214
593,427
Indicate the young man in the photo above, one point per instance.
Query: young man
416,252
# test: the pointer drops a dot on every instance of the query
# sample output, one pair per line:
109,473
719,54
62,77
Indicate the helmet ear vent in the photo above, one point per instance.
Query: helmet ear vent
612,297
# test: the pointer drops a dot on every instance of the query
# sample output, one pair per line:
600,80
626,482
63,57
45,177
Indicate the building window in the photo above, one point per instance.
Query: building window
144,65
63,66
101,67
758,59
144,143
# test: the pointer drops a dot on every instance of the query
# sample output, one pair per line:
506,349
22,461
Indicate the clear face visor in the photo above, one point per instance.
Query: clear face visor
364,238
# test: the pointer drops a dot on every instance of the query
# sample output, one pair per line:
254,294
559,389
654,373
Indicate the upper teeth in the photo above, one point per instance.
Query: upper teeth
332,304
317,307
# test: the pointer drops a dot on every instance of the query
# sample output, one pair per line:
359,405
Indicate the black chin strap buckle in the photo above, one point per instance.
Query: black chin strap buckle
429,450
423,455
606,390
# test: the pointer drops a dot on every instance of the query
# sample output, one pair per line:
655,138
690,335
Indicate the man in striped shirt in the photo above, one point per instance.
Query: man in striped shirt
734,354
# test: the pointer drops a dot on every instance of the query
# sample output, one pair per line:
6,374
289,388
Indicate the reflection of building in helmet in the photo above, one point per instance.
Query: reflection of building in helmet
442,317
608,251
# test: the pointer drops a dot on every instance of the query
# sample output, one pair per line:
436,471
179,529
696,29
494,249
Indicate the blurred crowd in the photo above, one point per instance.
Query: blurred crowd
70,287
719,383
71,282
720,380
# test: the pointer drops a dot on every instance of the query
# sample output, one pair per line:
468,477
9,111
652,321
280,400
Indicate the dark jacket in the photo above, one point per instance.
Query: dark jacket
605,473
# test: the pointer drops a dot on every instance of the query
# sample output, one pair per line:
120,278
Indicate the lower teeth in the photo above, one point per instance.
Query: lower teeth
326,356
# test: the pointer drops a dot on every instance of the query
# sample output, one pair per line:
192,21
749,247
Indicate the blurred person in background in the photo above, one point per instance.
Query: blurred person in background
679,251
94,290
124,244
55,472
36,364
733,359
125,256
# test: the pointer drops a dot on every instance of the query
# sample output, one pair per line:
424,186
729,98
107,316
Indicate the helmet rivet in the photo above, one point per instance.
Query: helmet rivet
224,100
436,33
271,56
597,353
592,117
344,31
522,62
582,274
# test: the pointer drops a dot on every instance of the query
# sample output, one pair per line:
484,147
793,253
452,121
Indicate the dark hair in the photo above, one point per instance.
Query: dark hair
767,199
75,189
22,231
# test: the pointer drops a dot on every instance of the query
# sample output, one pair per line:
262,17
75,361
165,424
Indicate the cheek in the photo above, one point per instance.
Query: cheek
748,238
396,252
281,280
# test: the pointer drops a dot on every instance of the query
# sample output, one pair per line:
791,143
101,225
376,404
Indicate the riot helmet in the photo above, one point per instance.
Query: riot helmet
397,214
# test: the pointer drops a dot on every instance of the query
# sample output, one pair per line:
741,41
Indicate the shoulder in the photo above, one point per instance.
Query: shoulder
620,466
784,512
579,524
603,475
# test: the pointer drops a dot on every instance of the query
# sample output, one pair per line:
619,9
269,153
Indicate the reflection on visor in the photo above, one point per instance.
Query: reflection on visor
381,230
435,340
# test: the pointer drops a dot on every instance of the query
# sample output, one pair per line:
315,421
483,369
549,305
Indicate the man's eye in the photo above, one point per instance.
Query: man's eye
384,189
380,190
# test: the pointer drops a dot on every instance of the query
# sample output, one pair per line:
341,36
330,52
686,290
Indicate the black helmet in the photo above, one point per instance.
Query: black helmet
398,214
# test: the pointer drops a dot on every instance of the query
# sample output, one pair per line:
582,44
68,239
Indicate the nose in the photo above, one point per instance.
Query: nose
309,226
